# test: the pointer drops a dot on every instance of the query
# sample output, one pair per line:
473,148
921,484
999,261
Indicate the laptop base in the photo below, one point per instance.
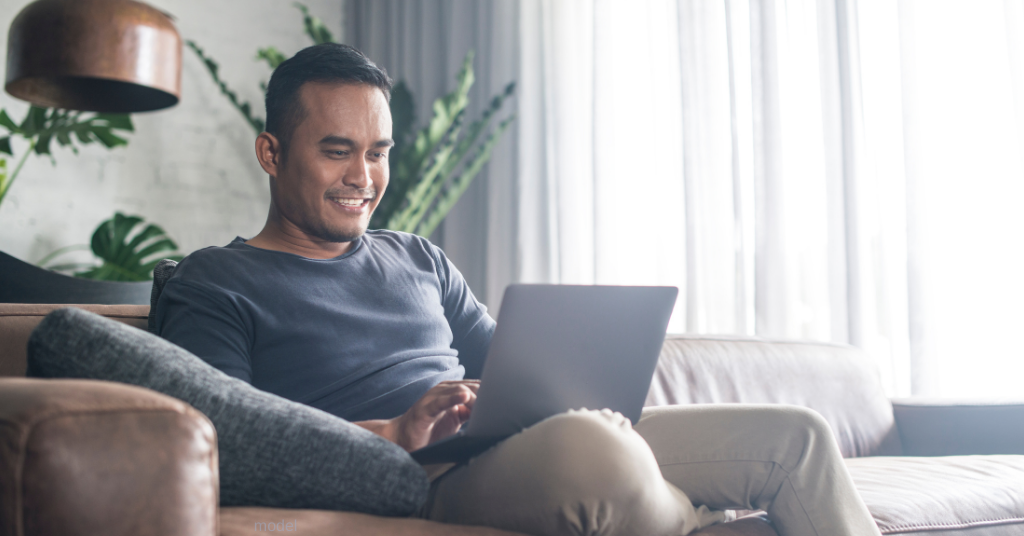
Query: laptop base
455,449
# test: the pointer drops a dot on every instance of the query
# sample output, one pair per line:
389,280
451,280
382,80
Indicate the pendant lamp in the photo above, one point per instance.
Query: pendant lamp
117,56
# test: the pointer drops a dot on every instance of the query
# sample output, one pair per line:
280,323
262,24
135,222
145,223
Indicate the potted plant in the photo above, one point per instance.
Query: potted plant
430,168
125,249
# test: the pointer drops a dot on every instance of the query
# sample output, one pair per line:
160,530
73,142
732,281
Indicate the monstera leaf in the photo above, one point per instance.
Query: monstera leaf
129,254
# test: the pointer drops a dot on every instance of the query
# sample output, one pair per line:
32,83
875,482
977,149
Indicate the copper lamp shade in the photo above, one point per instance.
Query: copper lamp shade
94,55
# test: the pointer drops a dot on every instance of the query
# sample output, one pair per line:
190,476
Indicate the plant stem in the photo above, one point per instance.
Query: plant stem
60,251
17,169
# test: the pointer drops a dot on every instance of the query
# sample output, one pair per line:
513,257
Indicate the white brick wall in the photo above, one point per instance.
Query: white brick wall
190,168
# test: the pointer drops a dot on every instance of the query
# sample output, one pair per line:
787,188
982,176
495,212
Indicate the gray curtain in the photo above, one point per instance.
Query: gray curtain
423,42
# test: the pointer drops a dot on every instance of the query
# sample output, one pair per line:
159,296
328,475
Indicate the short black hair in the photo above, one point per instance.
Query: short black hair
327,62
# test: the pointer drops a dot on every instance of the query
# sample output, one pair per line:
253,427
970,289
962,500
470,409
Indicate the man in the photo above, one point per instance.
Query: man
378,328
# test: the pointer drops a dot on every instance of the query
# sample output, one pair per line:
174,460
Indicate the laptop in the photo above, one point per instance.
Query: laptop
561,347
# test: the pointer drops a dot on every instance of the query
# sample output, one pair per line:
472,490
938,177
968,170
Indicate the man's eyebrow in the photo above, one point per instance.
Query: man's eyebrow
336,140
339,140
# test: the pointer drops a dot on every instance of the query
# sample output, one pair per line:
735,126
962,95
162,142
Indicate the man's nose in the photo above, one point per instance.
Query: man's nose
358,174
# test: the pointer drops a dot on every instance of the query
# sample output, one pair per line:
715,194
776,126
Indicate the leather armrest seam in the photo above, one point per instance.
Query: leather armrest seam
63,412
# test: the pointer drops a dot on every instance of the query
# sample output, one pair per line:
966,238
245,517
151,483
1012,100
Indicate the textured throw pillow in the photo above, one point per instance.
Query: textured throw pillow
273,452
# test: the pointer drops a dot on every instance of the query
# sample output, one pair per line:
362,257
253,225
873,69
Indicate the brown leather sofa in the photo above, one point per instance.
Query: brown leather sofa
88,457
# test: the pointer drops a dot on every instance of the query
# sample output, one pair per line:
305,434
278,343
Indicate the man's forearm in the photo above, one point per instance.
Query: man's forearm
382,427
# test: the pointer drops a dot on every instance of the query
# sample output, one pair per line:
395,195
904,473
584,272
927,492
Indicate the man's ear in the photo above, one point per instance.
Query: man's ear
269,152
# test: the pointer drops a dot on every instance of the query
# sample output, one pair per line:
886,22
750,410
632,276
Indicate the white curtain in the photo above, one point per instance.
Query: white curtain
837,170
721,147
963,111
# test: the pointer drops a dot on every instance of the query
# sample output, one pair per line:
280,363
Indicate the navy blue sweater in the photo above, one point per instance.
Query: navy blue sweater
362,336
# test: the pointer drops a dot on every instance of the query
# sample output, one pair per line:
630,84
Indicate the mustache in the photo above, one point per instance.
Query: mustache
365,193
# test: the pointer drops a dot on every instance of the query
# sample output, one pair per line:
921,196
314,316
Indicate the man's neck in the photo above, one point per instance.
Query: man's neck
290,239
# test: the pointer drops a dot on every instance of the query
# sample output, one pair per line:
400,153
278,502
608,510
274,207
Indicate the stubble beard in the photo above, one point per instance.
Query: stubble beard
324,232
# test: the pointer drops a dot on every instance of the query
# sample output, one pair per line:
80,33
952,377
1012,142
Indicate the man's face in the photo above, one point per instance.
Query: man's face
335,168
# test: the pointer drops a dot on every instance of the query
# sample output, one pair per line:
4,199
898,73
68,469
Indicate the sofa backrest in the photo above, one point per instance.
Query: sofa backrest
17,320
837,381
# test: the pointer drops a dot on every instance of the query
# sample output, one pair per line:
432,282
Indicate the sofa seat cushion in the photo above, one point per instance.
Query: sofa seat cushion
943,496
244,521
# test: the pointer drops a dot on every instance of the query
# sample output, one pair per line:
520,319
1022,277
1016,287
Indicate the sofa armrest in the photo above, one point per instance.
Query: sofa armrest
955,427
81,457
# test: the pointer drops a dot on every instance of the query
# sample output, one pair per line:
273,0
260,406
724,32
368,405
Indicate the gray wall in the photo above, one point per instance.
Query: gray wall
190,168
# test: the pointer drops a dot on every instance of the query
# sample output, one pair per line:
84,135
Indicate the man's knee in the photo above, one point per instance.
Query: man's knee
582,472
584,453
800,434
600,477
800,421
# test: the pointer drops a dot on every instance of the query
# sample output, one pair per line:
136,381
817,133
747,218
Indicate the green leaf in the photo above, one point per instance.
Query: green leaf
108,138
425,170
64,138
272,56
403,117
84,136
461,183
403,112
123,226
151,231
5,145
419,197
116,121
6,122
127,252
102,238
4,178
35,121
43,144
41,126
314,27
255,122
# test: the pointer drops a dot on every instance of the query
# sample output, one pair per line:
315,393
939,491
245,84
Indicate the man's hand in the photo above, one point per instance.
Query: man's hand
437,415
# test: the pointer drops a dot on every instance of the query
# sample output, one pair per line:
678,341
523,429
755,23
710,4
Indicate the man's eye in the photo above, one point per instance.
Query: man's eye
339,153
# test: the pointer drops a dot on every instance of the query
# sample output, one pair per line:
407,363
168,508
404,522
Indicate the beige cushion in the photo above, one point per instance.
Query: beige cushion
837,381
952,495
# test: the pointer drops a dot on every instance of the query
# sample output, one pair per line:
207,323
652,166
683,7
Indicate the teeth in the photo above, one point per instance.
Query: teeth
349,202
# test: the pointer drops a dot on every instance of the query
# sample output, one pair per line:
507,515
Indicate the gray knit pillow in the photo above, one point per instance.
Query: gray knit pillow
273,452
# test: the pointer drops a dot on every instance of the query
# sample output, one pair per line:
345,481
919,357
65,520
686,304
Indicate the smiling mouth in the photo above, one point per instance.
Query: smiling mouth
351,202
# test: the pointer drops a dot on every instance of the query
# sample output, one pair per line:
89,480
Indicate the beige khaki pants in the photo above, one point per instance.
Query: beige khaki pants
590,473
